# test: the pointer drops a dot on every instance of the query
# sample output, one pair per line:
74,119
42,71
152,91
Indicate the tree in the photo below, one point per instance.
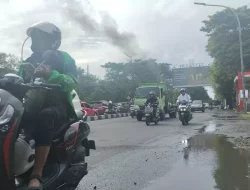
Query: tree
223,46
87,84
8,63
198,93
121,79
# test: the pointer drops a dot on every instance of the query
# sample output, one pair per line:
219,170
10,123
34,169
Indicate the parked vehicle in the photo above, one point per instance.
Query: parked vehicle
149,114
165,95
66,158
126,106
206,105
197,105
110,111
89,109
216,104
185,114
101,106
77,104
122,107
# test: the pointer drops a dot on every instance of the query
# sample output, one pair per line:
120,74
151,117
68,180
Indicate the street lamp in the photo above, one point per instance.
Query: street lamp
241,51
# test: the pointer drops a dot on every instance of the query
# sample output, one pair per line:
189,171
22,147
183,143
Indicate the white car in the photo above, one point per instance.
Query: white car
77,104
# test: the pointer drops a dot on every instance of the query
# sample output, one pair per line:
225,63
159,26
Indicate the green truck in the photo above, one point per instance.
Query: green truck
165,94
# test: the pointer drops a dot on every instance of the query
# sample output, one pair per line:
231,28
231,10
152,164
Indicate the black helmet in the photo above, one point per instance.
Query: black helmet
48,33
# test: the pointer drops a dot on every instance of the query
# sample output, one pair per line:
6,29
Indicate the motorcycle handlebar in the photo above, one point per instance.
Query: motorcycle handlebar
41,86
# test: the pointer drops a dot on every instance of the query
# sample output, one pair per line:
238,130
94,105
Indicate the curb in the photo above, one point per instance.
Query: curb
110,116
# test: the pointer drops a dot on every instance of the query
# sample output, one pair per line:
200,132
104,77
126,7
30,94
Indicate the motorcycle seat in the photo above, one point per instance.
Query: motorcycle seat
59,133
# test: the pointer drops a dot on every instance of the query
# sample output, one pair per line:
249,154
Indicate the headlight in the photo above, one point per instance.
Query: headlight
7,115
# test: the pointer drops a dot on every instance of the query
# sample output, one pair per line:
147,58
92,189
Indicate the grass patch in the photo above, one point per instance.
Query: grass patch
245,116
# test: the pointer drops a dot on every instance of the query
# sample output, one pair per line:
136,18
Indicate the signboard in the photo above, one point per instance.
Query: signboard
191,76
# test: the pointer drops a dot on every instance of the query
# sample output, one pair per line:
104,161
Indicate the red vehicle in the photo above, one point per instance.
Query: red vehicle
101,106
89,109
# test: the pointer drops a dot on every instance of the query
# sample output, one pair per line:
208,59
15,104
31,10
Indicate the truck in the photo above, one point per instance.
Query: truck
165,94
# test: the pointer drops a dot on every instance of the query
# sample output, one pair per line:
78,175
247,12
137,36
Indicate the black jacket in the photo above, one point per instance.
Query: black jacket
152,100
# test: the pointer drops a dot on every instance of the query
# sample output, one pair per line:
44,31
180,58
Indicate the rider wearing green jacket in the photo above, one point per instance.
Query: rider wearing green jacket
58,69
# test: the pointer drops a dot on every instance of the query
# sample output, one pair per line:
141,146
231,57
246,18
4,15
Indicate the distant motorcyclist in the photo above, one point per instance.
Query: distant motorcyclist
110,105
154,101
183,97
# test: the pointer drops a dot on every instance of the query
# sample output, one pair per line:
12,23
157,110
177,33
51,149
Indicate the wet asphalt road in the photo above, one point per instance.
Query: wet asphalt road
131,155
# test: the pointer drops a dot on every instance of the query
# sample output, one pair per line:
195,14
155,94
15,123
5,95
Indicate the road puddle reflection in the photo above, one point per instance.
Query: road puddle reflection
209,162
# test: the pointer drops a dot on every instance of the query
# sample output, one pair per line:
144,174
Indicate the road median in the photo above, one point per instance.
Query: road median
109,116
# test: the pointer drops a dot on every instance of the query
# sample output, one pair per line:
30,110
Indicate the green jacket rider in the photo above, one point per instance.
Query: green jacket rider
57,108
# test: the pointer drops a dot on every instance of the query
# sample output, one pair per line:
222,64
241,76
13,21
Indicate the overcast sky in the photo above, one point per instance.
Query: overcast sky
96,31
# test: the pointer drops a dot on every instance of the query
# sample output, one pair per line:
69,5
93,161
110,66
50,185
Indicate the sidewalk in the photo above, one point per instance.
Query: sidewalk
234,126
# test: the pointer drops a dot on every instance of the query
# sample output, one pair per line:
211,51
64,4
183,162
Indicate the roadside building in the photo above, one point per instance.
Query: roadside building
239,91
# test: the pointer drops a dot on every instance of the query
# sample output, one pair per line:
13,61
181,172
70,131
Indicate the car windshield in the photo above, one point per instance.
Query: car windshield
143,92
197,102
96,104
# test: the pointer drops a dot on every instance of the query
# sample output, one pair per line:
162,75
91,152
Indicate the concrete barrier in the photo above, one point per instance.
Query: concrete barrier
110,116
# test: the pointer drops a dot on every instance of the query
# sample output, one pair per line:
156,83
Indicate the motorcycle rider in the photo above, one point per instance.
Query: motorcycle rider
110,105
57,107
154,101
183,96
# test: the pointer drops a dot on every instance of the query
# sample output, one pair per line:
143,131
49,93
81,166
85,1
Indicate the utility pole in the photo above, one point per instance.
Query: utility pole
88,69
241,51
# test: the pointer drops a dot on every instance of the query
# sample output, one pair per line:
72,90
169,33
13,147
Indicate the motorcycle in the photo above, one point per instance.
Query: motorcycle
149,109
185,114
65,165
110,111
132,111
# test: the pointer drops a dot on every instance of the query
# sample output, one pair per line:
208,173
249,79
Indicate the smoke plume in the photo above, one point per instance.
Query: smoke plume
106,29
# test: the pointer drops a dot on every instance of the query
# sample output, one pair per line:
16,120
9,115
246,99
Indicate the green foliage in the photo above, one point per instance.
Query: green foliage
8,63
121,79
223,46
198,93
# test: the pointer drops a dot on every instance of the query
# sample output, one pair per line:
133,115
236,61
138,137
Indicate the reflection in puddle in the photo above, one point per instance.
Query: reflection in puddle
211,127
209,162
231,169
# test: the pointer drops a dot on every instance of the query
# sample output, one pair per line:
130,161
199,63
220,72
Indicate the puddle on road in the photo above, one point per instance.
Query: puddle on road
211,127
209,162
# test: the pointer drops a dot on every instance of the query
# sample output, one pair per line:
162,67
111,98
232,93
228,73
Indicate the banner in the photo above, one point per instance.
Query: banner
191,76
